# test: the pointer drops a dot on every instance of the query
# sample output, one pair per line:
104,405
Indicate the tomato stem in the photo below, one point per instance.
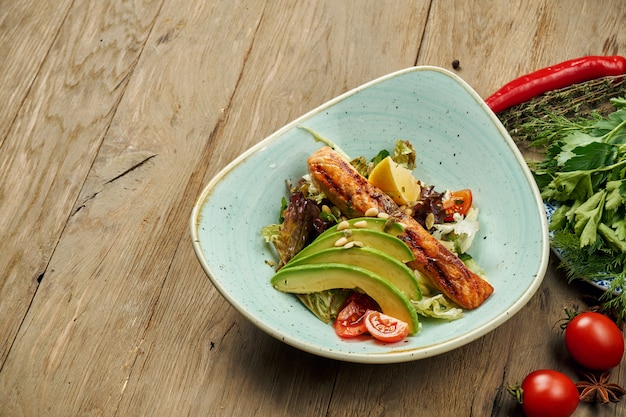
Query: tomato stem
570,315
517,392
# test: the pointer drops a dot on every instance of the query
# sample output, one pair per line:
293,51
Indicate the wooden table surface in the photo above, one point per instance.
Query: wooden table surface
113,117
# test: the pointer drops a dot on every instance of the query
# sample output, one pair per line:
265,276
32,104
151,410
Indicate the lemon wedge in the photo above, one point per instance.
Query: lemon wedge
396,181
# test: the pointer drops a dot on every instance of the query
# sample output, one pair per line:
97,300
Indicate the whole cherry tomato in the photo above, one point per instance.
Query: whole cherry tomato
594,341
548,393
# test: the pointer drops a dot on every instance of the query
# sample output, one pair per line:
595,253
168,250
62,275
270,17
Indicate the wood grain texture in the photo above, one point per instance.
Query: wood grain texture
52,144
54,138
124,110
28,31
497,41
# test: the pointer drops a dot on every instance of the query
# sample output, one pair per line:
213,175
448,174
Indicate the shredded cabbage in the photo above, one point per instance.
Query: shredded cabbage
271,232
433,303
437,306
462,232
325,304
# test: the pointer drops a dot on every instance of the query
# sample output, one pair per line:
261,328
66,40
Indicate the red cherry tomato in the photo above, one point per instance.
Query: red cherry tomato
385,328
548,393
459,202
594,341
350,320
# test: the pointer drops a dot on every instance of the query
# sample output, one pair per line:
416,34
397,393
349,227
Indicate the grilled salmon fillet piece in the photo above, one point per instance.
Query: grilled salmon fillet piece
354,195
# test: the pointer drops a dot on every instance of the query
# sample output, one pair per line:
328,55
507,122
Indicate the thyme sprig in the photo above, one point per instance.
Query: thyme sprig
583,172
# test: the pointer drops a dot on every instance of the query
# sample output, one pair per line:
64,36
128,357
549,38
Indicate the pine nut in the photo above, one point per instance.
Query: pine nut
430,220
371,212
361,224
343,225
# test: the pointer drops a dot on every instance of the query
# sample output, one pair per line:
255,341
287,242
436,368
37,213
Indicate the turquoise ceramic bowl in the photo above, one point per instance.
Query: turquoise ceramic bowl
460,144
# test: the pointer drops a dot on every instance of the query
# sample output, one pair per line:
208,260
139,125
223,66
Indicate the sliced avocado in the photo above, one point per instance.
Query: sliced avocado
303,279
373,223
385,242
374,260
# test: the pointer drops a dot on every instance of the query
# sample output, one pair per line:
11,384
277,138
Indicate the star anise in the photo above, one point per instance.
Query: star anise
599,390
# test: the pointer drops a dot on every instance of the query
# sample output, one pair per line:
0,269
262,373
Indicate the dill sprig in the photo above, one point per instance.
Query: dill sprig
591,264
556,131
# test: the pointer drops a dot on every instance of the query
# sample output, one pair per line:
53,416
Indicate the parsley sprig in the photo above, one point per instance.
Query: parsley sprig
584,174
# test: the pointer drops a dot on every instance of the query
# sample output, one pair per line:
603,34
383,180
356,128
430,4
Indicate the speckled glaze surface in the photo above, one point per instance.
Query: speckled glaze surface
460,144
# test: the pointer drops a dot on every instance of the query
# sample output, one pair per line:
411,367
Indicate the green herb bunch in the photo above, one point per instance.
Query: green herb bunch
583,174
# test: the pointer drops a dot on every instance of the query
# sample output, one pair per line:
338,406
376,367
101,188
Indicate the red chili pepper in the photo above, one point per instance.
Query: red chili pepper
554,77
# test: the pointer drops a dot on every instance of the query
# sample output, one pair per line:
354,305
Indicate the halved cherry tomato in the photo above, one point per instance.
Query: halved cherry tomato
459,202
385,328
350,320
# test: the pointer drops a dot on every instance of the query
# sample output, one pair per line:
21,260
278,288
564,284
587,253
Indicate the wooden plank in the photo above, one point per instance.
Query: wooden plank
28,30
53,141
498,41
209,359
85,328
52,144
336,54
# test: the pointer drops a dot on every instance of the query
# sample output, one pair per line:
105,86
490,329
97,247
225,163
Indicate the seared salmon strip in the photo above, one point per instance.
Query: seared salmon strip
354,196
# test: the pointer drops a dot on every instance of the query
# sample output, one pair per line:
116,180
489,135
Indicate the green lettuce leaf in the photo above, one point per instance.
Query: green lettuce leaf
404,154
